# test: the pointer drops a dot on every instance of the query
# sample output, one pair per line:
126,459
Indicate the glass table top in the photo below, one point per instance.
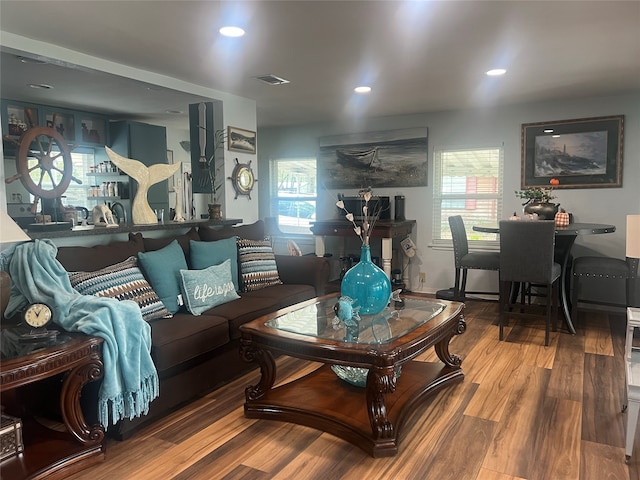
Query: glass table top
320,321
13,343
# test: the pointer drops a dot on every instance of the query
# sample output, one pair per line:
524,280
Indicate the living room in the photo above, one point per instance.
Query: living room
481,123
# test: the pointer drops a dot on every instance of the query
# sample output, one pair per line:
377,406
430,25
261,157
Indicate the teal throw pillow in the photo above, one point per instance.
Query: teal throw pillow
207,254
204,289
162,269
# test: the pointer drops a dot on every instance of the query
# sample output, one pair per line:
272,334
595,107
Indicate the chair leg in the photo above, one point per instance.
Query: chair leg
548,320
456,285
555,293
463,286
504,291
574,300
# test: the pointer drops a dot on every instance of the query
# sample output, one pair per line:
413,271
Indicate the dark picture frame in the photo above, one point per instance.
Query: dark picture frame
241,140
580,153
385,159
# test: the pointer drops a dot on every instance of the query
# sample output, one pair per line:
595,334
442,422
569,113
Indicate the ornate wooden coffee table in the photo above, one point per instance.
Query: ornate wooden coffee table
385,344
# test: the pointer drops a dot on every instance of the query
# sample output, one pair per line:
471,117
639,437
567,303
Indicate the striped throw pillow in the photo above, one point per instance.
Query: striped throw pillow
122,281
257,264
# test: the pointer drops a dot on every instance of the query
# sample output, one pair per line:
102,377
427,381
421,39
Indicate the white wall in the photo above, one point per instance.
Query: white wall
482,127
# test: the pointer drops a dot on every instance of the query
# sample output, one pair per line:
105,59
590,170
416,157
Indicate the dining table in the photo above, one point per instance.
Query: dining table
565,238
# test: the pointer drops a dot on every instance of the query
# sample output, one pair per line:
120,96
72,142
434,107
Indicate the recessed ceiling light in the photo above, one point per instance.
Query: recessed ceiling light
548,130
41,86
173,112
555,136
231,31
362,89
496,72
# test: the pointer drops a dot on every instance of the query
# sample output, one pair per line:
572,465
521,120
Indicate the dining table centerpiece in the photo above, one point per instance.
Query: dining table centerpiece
538,200
365,282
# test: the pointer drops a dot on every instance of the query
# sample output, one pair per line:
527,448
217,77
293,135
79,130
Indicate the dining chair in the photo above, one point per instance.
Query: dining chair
465,260
527,256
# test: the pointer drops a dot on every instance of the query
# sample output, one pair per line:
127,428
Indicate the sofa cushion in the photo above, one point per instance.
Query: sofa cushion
89,259
162,269
258,267
183,337
206,254
122,281
243,310
152,244
206,288
253,231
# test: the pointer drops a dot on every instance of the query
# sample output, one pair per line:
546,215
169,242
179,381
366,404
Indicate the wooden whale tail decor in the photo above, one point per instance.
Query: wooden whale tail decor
141,212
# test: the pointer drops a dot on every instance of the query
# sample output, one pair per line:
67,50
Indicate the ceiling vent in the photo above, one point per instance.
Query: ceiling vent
271,79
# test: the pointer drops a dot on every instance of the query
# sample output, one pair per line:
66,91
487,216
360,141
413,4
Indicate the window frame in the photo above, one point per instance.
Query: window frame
476,240
294,196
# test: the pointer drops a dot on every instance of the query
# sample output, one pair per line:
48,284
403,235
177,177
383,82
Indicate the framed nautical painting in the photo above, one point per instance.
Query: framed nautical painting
580,153
394,158
240,140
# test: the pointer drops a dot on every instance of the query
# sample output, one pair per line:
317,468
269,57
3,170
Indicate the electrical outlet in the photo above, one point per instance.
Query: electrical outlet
423,277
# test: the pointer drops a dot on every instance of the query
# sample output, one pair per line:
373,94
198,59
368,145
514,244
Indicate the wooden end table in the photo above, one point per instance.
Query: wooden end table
372,417
49,453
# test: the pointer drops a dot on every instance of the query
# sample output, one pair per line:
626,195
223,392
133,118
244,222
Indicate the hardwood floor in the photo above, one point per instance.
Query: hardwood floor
523,411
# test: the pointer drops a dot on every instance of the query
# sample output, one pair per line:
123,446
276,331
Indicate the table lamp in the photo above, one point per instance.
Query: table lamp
10,233
633,253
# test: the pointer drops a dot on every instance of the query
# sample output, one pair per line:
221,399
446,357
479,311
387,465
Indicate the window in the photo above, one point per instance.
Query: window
468,182
294,194
76,193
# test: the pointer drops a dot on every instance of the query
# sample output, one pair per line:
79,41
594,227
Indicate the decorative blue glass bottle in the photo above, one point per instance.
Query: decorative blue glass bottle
367,284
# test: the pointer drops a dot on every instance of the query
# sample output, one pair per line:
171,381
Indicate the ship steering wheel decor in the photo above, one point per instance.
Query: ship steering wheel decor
43,162
242,179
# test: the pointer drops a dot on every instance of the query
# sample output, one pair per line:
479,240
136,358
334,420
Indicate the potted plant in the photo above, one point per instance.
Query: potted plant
538,200
209,175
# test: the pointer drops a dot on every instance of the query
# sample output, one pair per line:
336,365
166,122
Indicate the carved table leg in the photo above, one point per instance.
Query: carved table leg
442,347
251,353
72,414
380,381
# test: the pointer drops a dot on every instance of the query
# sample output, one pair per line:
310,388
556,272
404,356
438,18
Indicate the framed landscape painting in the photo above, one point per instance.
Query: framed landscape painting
580,153
240,140
393,158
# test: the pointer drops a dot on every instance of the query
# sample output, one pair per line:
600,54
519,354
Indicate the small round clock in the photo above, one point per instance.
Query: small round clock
37,315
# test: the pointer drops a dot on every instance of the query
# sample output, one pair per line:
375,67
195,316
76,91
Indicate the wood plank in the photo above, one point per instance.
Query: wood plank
496,385
486,474
604,390
567,375
447,463
598,334
514,439
558,441
600,461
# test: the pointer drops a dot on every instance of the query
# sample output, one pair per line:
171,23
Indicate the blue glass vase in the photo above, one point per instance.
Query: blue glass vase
367,285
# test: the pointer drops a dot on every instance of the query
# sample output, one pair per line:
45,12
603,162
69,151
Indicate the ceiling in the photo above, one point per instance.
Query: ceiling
417,56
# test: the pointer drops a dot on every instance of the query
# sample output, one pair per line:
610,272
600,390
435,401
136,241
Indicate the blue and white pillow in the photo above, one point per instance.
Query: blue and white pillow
122,281
258,267
204,289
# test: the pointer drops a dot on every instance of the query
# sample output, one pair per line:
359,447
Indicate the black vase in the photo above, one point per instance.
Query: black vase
545,210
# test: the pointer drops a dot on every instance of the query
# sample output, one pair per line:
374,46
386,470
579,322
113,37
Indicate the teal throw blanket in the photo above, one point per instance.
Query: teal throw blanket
130,380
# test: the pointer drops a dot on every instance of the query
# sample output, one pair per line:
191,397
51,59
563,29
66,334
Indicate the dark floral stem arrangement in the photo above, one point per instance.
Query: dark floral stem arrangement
538,194
369,216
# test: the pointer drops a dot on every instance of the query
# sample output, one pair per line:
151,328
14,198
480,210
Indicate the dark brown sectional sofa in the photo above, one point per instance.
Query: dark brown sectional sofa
196,354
